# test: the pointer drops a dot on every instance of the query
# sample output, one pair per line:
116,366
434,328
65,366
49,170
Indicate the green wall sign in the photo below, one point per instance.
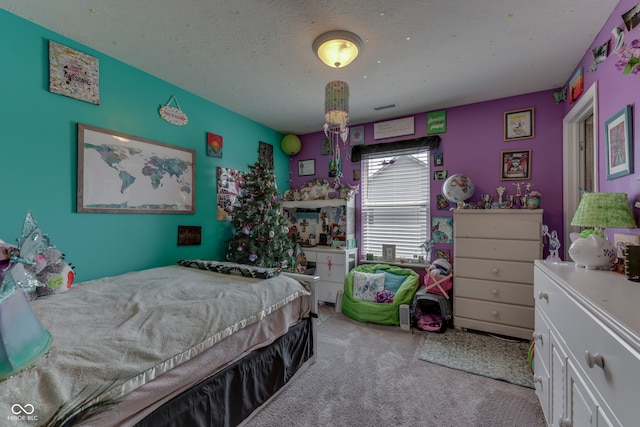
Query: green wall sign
436,122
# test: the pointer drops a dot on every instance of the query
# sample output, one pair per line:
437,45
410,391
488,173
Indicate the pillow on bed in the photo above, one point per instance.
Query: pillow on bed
392,281
231,268
367,285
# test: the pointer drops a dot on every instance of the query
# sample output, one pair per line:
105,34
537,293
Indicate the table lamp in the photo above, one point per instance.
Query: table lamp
591,249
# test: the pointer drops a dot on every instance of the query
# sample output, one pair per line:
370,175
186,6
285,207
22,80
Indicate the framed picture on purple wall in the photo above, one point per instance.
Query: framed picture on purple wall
515,165
619,145
518,124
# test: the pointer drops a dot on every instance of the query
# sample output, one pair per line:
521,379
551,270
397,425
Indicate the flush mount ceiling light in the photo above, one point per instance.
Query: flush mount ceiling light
337,48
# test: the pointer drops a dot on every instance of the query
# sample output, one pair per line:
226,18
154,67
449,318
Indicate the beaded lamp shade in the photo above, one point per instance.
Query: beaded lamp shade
336,108
604,210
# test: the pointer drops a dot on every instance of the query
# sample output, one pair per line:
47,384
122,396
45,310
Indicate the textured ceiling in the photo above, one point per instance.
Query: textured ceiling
254,56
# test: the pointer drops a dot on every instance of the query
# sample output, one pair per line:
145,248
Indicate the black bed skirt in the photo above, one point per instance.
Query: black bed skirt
231,395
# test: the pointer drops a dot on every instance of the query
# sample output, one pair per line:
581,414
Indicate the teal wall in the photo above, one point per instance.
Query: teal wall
38,143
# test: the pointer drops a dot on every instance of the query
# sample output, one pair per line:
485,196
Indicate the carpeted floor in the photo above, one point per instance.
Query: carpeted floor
480,354
370,375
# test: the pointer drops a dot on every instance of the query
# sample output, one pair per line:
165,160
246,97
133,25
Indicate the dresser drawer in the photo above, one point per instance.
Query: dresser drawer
550,299
504,271
513,250
330,257
516,226
513,315
328,291
333,273
504,292
620,376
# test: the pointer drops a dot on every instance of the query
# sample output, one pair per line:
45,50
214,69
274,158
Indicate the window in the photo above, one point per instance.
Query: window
395,201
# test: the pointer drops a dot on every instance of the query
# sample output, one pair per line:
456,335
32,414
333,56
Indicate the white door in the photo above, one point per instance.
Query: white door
580,165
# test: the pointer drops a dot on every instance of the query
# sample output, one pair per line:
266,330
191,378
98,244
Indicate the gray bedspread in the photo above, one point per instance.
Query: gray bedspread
129,329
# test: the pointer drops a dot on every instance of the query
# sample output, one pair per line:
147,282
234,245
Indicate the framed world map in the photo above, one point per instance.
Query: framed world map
120,173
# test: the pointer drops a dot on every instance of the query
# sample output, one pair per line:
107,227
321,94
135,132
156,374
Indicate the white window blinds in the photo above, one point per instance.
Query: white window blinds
395,201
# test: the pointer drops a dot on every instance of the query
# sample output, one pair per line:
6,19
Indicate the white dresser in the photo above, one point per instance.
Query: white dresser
332,266
494,250
587,346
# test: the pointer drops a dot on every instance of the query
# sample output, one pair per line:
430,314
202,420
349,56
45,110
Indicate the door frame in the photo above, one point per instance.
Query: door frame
571,141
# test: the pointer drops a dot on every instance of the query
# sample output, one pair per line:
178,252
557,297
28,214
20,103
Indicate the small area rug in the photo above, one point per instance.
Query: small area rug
481,354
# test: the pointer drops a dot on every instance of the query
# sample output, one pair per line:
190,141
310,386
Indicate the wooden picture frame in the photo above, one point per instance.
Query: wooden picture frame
519,124
619,144
121,173
306,167
515,164
389,253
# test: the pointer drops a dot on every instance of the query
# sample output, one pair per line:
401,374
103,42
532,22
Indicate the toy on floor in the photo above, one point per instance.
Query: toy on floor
438,279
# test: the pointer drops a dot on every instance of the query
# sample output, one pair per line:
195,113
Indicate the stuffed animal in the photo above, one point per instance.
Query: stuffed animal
55,274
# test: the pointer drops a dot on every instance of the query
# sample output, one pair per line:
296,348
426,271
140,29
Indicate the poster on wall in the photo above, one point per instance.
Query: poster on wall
356,135
442,229
576,86
121,173
436,122
73,73
229,184
214,145
265,151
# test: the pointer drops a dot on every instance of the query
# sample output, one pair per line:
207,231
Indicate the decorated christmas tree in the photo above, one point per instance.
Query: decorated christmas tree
261,231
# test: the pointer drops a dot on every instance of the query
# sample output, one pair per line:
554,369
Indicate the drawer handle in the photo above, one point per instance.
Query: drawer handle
495,270
537,336
543,295
494,313
593,359
537,379
494,292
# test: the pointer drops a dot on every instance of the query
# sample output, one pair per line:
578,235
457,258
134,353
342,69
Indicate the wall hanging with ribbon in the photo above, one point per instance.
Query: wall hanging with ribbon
173,115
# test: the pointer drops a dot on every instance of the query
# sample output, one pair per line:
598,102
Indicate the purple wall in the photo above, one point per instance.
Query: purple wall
615,91
473,142
472,146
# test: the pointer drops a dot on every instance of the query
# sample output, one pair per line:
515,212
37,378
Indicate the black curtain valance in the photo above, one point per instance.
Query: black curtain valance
426,142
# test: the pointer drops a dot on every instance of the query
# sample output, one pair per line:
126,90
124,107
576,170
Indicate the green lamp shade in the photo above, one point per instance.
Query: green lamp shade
23,340
604,210
290,144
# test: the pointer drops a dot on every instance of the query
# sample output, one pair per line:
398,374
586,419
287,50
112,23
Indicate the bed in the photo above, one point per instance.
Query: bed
175,345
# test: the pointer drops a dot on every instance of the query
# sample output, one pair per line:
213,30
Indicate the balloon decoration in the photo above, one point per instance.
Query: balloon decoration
290,145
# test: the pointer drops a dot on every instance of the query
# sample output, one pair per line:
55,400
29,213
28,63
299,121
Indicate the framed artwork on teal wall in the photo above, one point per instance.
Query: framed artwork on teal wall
619,145
120,173
73,74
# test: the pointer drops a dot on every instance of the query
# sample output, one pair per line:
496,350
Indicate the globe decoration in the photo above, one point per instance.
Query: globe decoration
290,145
458,188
